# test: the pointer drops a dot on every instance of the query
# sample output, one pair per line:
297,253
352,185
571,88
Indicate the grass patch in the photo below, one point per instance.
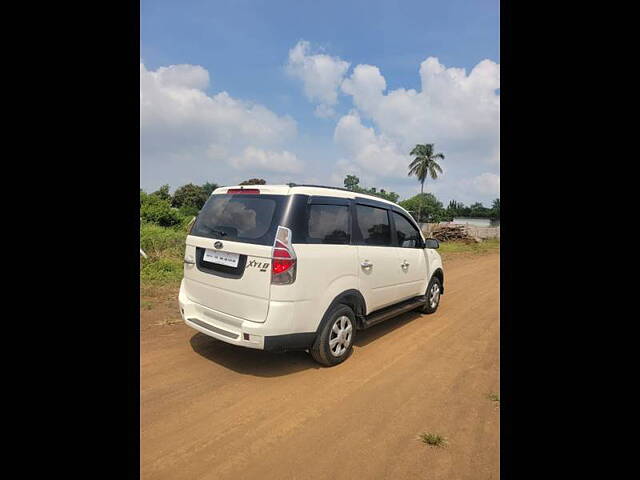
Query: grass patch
494,397
487,246
164,247
433,439
161,271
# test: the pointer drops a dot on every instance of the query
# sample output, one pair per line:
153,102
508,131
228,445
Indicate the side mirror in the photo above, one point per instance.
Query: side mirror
431,243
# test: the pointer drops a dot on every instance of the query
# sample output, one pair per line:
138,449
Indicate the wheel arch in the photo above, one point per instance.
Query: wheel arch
353,299
439,274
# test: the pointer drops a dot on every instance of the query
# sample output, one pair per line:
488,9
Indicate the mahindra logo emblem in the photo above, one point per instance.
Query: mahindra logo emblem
218,244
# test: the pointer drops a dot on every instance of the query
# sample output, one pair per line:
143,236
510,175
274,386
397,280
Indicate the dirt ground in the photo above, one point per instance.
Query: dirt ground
210,410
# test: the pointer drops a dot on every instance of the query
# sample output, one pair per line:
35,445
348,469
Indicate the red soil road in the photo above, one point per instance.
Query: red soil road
210,410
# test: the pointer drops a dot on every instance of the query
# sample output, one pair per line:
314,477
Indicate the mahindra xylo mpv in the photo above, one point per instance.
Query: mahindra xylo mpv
287,267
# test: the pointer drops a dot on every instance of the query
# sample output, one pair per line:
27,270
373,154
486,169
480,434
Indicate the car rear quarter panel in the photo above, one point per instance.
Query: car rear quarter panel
323,272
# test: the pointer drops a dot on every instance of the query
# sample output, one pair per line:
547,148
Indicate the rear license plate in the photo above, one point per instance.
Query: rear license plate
222,258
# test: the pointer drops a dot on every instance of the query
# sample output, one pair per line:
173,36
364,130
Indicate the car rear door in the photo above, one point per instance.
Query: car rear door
378,267
411,257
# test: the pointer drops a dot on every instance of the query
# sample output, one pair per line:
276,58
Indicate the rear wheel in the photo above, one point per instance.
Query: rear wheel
434,291
334,342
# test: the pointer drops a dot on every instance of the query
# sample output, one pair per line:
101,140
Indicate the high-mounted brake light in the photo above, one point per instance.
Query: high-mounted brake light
235,191
283,258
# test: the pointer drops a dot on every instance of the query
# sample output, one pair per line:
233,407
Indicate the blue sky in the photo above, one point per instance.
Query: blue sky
245,49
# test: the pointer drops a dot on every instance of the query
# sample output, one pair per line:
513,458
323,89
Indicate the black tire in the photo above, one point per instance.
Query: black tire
321,350
428,307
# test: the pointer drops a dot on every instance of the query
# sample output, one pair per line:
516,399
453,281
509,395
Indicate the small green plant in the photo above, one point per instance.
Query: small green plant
494,397
433,439
146,304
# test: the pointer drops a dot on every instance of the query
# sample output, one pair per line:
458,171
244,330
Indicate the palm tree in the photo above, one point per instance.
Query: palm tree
424,164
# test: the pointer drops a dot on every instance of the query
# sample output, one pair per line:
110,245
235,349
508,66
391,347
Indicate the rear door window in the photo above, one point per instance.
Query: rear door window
373,224
242,218
408,235
329,224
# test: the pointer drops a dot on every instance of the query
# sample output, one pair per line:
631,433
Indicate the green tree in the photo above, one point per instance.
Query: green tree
154,209
254,181
391,196
189,195
425,207
454,209
479,210
208,188
351,182
425,164
495,209
163,192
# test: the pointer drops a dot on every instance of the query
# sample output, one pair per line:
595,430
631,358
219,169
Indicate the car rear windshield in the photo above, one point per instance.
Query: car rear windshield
241,218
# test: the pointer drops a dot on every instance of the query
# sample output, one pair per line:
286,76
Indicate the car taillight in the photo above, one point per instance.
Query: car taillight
283,258
235,191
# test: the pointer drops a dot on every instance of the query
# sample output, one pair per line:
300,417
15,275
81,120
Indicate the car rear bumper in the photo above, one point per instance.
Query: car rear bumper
273,335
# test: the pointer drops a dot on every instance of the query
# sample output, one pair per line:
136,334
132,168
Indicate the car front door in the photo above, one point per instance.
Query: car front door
378,267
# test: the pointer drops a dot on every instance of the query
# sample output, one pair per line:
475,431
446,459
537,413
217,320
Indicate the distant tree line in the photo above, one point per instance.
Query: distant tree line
168,210
425,207
351,182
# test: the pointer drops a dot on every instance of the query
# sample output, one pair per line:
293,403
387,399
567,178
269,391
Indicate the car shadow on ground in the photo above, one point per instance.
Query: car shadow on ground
248,361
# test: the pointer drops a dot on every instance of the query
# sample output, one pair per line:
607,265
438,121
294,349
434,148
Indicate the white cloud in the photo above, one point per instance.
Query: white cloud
366,85
183,128
261,160
460,113
369,151
321,75
487,184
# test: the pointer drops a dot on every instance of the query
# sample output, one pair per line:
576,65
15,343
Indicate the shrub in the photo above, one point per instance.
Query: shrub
156,210
189,211
189,195
158,241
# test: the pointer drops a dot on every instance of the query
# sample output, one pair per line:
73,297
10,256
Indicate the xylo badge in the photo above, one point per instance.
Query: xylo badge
261,265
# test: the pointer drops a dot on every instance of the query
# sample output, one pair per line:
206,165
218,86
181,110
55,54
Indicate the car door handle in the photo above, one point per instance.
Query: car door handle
366,264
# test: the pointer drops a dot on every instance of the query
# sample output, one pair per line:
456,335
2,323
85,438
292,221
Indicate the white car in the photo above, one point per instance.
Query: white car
304,267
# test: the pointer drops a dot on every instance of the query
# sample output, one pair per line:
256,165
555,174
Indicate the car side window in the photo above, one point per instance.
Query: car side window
408,235
329,224
373,224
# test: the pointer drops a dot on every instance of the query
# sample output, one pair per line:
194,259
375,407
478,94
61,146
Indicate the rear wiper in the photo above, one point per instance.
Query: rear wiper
219,232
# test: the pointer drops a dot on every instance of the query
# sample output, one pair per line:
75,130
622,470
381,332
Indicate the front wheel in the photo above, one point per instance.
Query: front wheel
434,291
335,341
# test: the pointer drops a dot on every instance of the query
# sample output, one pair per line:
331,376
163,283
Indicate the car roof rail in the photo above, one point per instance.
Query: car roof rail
322,186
